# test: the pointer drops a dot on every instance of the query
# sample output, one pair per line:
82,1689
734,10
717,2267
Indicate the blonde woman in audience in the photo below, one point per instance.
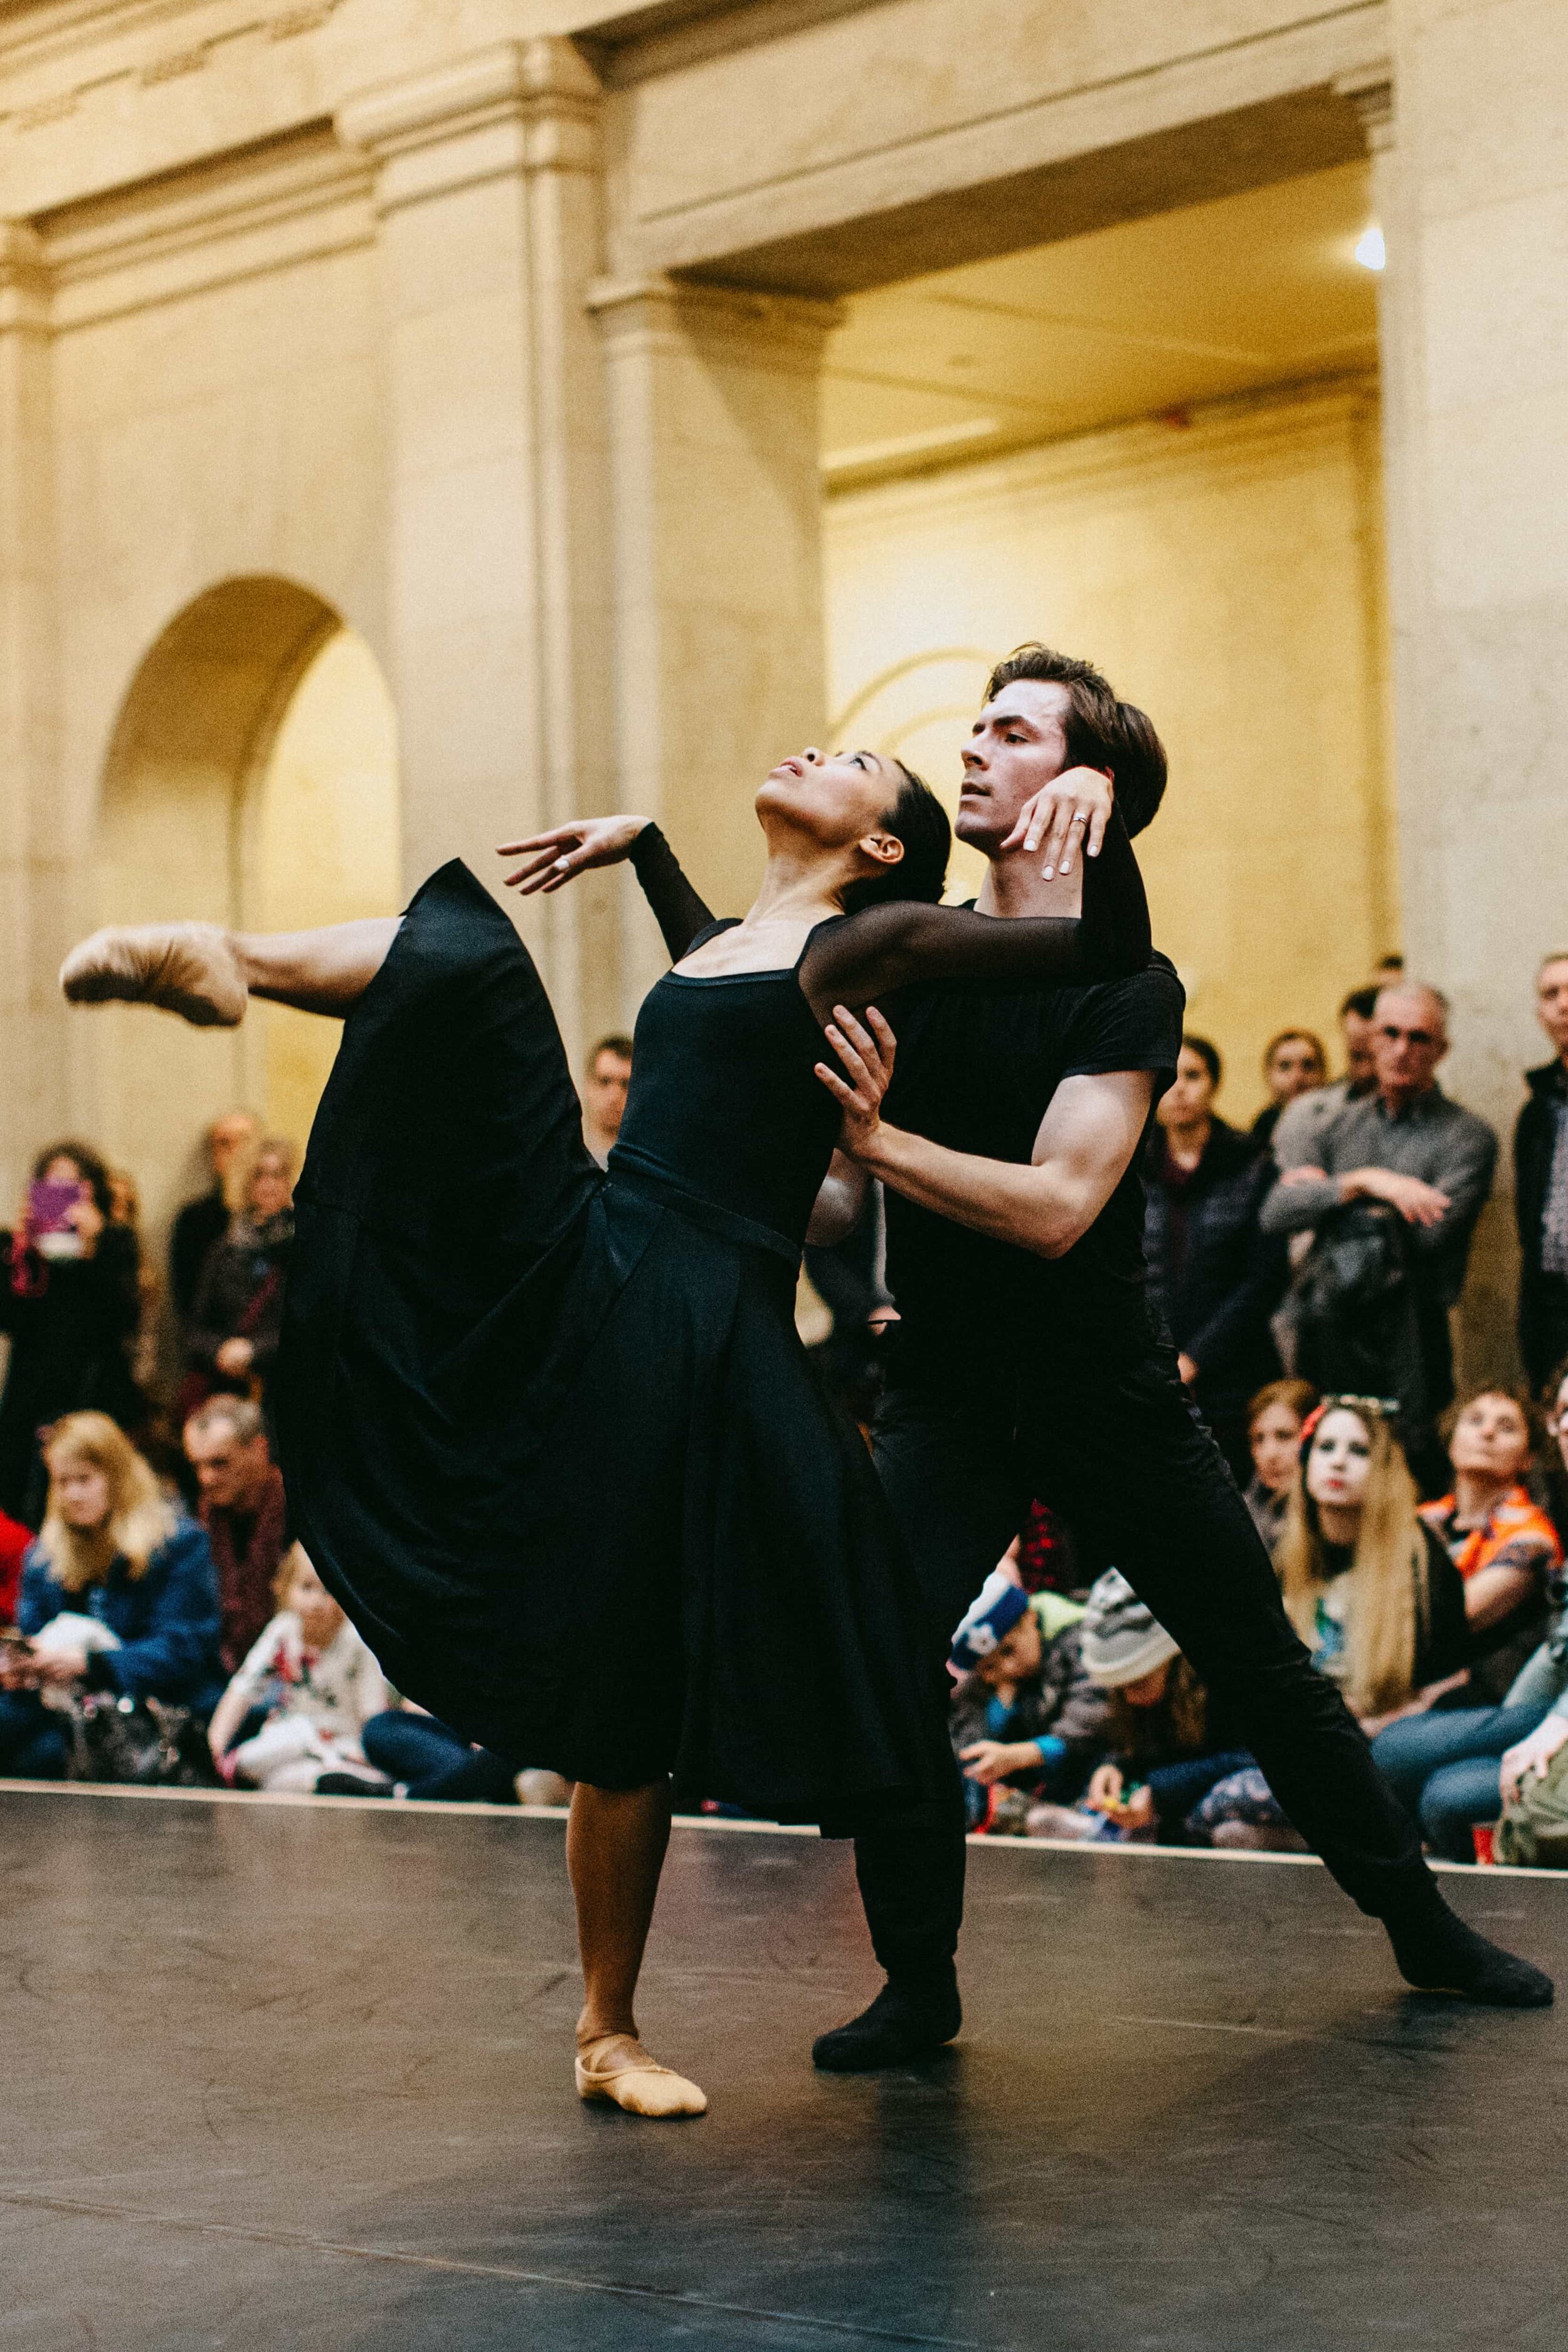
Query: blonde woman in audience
1368,1587
118,1594
296,1709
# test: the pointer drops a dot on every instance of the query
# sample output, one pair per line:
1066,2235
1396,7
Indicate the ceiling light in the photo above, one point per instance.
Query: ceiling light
1371,251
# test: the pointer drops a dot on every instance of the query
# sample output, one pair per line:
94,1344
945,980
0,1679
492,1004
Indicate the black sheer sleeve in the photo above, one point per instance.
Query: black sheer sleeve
883,947
677,908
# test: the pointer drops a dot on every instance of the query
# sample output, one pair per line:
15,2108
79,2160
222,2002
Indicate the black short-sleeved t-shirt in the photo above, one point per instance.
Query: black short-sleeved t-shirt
975,1068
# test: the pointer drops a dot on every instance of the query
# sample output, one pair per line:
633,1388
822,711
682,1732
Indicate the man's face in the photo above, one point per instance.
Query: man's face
1409,1039
228,1471
1019,743
225,1138
604,1093
1551,1001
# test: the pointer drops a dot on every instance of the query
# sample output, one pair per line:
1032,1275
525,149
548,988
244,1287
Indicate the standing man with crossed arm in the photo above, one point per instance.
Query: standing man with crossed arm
1028,1360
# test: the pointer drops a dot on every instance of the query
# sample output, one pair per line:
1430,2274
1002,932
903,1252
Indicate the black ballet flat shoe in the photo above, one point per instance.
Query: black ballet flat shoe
1437,1953
903,2022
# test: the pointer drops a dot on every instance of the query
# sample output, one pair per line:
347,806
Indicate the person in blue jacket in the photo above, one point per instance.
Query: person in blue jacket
118,1593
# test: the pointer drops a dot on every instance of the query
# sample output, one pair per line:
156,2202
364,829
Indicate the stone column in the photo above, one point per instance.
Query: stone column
33,848
488,196
713,399
1472,177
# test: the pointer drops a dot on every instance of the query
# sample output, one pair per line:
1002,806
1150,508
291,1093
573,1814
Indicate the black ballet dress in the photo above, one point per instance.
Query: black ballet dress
548,1431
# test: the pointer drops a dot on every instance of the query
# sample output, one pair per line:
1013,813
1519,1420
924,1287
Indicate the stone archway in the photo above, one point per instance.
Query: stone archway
251,779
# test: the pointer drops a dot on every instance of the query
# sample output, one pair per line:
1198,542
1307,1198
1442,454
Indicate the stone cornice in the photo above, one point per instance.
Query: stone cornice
24,278
520,105
791,327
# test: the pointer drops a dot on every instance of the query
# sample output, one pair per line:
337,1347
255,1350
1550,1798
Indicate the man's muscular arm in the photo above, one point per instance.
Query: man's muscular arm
1084,1147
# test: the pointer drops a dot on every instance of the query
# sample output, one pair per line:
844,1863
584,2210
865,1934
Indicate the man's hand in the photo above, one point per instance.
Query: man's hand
1187,1369
1418,1204
235,1357
1532,1754
1077,802
867,1053
567,850
995,1759
1305,1175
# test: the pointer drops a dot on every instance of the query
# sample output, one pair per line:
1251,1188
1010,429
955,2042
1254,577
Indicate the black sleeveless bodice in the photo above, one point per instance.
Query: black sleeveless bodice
724,1106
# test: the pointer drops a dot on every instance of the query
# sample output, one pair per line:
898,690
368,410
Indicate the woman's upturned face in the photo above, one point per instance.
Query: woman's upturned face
1294,1070
271,1189
79,1490
1275,1437
1338,1460
1491,1438
837,798
1189,1099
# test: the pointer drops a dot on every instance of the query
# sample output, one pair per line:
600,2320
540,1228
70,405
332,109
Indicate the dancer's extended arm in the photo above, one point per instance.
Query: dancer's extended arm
556,858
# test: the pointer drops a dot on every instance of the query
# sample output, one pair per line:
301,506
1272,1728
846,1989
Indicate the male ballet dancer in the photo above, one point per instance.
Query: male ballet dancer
1028,1360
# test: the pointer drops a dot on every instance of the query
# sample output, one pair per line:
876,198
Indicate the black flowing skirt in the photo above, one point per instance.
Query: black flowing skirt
551,1438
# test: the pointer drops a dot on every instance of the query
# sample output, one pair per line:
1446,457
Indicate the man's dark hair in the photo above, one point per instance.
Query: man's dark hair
616,1043
1362,1001
1207,1054
1100,731
919,820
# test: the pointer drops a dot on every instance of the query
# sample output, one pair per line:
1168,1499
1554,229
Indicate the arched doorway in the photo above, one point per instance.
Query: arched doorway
251,780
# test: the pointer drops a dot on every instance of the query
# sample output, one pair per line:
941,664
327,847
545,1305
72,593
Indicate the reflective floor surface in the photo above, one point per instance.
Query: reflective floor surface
299,2075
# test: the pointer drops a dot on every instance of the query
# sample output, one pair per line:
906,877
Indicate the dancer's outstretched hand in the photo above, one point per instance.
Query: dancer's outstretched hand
867,1053
566,850
1076,803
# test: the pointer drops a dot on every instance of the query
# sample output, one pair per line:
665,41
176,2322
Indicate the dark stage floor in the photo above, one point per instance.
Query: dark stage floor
298,2076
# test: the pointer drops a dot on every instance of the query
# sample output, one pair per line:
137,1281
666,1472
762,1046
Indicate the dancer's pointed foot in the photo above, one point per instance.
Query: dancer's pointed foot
1437,1953
617,2067
905,2021
190,969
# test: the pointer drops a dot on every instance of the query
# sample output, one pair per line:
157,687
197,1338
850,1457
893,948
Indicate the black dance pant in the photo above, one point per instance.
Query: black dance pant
1113,1443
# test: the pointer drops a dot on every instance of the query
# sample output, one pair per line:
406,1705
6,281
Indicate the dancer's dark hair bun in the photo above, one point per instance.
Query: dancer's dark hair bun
920,822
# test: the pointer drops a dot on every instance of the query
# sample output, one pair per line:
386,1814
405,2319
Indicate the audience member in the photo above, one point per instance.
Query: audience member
605,1082
1274,1423
1392,1194
201,1223
70,1303
297,1708
1044,1555
1215,1277
1497,1535
237,1320
15,1540
1026,1720
1368,1586
118,1596
1541,1185
1456,1768
1294,1064
244,1514
125,1210
429,1763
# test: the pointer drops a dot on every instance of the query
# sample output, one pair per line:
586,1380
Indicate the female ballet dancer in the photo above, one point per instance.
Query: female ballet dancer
549,1435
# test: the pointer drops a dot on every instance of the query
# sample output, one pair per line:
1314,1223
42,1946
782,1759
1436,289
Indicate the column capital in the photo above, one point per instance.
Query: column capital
1370,89
24,276
725,321
522,106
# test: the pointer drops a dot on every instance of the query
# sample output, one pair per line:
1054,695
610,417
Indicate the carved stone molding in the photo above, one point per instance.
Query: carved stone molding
25,286
522,106
1370,91
722,320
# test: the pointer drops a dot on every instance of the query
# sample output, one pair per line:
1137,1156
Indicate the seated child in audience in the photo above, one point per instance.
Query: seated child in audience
1168,1744
1274,1420
1497,1537
1025,1721
297,1706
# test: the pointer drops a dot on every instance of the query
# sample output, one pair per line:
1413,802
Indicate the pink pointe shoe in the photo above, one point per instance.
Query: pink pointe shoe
617,2068
190,969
